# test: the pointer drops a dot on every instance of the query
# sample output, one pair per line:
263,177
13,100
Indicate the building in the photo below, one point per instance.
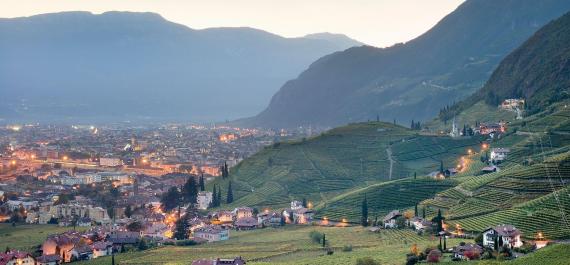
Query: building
303,216
82,252
467,251
490,169
390,219
218,261
268,218
204,199
512,104
243,212
110,162
102,248
499,154
491,128
223,217
212,233
504,235
246,223
48,260
296,205
16,258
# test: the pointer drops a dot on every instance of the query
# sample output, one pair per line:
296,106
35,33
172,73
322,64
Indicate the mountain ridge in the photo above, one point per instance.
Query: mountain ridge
46,58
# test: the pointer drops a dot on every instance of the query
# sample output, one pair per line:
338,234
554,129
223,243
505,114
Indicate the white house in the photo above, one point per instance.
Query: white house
296,205
390,219
204,199
507,235
499,154
212,233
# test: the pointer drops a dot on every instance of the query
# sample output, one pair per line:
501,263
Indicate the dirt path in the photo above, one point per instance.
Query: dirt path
389,152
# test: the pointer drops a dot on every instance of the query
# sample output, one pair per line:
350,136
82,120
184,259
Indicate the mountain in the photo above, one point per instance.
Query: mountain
127,66
410,80
539,71
339,39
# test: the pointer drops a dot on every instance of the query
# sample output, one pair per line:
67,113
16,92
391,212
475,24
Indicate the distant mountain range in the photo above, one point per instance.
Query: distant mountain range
79,66
413,80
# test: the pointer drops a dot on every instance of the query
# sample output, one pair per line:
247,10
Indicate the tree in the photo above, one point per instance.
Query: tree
424,212
282,220
324,240
219,195
202,185
415,175
214,202
181,228
291,217
304,202
230,196
416,210
135,226
441,166
190,190
439,221
170,199
128,211
364,220
366,261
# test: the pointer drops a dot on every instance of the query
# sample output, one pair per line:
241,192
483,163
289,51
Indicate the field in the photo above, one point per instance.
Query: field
290,245
25,237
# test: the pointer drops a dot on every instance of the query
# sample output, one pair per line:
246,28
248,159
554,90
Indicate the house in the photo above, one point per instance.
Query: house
82,252
390,219
61,244
504,235
269,218
84,222
121,238
243,212
303,215
491,128
16,258
102,248
48,260
204,199
499,154
512,104
212,233
419,223
450,172
219,261
490,169
295,205
223,217
247,223
467,251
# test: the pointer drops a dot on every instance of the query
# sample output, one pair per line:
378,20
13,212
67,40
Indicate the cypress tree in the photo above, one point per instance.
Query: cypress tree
219,201
441,166
364,220
202,184
424,212
214,197
230,196
324,240
416,210
444,242
415,175
304,202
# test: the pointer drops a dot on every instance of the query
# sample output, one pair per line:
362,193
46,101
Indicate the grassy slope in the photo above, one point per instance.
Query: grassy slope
340,160
25,237
289,245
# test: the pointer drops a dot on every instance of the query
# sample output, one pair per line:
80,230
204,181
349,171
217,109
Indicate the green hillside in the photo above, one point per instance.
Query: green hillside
342,159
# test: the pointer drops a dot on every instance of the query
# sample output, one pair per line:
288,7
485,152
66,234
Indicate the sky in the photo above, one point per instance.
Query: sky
379,23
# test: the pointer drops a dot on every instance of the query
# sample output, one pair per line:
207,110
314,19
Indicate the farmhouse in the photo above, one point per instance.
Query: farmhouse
223,217
247,223
512,104
268,218
390,219
499,154
490,169
490,128
420,224
102,248
504,235
82,252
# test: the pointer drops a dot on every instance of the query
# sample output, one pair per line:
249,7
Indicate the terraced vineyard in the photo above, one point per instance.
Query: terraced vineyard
339,161
382,198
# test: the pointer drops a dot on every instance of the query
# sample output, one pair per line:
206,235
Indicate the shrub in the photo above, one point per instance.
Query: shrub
316,236
367,261
412,259
185,242
347,248
434,256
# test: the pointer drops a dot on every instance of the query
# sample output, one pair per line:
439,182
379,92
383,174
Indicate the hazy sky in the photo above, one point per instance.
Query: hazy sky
375,22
